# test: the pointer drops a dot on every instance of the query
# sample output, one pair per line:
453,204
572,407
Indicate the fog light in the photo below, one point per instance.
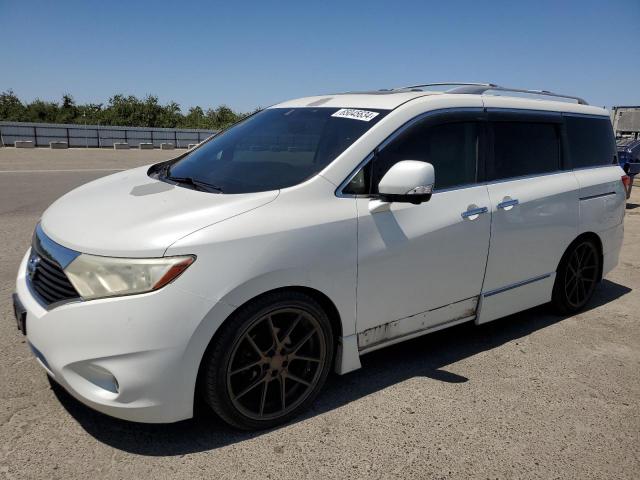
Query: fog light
99,376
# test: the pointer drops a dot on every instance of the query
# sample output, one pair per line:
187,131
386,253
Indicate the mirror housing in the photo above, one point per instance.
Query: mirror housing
408,181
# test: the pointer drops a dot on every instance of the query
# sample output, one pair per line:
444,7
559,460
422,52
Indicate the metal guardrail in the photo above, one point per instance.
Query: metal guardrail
97,136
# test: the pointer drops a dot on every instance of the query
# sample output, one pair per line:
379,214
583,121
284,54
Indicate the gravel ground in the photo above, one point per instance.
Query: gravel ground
533,395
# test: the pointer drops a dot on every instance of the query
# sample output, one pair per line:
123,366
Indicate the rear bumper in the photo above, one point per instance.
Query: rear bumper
134,357
611,245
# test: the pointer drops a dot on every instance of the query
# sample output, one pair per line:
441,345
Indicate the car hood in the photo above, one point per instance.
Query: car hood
131,214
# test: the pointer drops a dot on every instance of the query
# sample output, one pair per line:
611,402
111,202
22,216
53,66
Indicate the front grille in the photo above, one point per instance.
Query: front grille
46,276
50,282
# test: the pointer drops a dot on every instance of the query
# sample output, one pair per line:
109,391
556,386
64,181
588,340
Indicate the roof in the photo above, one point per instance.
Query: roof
392,98
383,100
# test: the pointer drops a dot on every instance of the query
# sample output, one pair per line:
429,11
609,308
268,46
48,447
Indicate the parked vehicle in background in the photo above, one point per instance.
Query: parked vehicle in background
314,232
629,158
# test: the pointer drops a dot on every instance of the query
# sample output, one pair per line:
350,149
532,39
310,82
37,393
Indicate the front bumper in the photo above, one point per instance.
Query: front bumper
133,357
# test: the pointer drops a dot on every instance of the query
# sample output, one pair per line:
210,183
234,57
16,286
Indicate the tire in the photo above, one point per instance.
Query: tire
577,277
269,360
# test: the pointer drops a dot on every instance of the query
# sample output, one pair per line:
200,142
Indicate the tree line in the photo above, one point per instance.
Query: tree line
122,110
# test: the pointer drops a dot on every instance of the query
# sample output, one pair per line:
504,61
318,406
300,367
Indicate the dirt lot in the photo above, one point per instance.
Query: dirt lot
530,396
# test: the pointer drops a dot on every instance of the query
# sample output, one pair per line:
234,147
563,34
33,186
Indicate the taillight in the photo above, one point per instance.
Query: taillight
626,181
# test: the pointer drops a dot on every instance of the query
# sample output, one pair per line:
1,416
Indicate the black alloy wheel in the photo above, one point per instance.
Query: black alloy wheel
577,277
270,360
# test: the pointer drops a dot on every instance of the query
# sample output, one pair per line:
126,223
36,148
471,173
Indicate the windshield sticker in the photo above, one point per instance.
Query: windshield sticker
354,114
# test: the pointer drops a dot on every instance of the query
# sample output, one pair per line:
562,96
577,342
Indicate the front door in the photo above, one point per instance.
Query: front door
421,266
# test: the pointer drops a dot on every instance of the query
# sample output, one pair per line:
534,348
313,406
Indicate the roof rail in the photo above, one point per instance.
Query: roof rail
480,88
444,84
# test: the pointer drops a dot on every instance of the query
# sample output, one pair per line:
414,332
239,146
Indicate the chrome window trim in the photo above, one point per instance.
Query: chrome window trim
339,191
586,115
340,194
525,112
524,177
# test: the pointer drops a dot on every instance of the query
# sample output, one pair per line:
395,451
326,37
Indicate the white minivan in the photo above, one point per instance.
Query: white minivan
311,233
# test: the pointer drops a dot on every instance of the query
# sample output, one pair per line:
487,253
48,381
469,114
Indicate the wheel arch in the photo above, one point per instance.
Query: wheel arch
592,236
323,299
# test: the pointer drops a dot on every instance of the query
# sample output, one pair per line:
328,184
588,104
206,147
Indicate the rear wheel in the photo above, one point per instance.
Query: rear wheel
577,277
269,361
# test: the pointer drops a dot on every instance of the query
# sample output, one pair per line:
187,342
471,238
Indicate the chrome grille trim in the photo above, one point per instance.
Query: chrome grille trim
45,271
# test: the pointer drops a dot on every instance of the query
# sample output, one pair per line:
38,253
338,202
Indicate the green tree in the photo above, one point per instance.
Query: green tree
11,108
195,118
222,117
91,114
68,112
120,110
41,111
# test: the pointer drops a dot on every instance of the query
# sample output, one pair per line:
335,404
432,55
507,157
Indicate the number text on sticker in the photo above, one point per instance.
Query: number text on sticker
355,114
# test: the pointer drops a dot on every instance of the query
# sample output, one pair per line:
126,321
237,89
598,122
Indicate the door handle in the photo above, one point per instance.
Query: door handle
508,204
474,212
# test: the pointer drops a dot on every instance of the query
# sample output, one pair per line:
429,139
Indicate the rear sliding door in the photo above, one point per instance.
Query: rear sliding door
534,210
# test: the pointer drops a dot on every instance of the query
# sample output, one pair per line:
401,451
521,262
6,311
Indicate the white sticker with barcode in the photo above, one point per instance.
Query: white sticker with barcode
364,115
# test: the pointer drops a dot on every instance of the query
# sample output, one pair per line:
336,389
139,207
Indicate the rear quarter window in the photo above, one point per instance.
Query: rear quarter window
591,141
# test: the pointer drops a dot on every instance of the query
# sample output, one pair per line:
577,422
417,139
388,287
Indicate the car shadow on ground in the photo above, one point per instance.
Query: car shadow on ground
426,356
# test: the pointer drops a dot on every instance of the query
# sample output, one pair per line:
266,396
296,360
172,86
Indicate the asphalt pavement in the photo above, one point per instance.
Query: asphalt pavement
533,395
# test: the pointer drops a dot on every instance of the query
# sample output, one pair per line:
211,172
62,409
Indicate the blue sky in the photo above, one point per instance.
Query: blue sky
249,54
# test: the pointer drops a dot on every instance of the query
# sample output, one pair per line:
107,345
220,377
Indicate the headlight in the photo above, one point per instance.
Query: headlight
98,277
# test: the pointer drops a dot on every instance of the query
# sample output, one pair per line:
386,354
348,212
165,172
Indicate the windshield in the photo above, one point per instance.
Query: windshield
273,149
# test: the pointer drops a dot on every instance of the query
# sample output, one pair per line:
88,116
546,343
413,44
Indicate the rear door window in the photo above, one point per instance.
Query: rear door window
524,148
591,141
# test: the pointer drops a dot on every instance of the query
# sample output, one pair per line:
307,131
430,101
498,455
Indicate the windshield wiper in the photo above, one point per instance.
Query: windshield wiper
196,184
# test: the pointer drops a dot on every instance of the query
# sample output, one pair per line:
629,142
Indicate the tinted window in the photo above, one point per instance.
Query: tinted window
451,149
523,148
591,141
276,148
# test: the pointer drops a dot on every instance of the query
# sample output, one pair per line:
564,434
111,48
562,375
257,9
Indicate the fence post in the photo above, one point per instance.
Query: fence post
68,141
35,136
175,138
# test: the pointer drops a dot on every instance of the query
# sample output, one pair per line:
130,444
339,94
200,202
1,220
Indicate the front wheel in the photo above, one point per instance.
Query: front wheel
269,360
577,277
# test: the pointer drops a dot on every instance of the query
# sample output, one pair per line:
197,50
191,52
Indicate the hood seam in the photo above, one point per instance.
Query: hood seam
219,221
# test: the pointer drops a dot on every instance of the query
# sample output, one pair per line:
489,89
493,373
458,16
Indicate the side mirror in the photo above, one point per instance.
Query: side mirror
407,181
